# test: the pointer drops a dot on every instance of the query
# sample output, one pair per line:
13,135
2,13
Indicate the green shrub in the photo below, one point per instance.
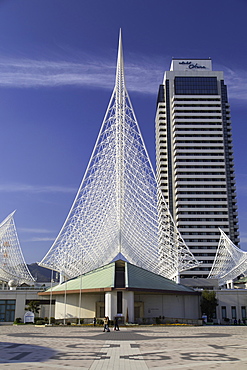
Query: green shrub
17,320
38,319
80,321
158,320
40,322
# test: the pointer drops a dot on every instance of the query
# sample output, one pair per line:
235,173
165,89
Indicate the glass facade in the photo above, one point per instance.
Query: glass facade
7,310
234,312
243,312
223,312
196,86
119,302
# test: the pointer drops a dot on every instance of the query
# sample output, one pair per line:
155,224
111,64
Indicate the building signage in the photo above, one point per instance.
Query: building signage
28,317
193,65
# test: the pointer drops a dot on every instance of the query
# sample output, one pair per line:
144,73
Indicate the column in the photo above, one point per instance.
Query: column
128,306
111,304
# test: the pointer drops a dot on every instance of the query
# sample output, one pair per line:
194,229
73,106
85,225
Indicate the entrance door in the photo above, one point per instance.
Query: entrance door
137,312
100,309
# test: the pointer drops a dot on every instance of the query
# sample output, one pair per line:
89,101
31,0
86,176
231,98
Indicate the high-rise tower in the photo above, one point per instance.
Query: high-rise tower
195,157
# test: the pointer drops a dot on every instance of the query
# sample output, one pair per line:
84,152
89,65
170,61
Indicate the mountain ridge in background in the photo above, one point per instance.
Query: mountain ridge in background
42,274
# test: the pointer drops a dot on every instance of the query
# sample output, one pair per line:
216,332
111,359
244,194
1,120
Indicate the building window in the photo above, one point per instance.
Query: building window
196,86
119,302
214,314
243,312
234,313
223,312
7,310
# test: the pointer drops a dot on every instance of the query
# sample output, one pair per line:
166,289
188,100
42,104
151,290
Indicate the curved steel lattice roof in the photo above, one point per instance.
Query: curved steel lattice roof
12,263
115,211
229,262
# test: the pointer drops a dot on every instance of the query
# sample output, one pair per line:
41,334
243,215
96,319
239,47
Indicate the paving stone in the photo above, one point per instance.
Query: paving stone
132,348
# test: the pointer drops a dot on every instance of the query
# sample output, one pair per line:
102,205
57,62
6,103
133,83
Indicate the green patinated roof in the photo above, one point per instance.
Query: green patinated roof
135,278
102,277
241,280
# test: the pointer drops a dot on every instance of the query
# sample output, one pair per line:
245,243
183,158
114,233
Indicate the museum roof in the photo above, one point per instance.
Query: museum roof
119,275
241,280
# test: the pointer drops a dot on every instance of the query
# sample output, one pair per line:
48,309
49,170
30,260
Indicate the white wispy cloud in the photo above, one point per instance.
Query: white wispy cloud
237,83
33,73
89,71
40,239
34,230
143,75
10,188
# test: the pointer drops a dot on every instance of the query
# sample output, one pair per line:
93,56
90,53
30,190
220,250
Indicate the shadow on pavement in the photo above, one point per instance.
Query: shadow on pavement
132,335
18,352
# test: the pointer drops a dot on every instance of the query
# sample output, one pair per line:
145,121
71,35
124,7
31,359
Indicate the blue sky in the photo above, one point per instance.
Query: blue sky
57,70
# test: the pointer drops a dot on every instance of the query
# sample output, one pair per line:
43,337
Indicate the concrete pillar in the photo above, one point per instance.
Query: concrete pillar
62,277
128,306
111,304
178,278
229,284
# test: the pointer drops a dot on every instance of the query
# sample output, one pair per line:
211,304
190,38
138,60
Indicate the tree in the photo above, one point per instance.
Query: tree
33,306
209,303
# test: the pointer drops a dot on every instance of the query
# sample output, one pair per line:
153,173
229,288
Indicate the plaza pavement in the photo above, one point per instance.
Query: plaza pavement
150,347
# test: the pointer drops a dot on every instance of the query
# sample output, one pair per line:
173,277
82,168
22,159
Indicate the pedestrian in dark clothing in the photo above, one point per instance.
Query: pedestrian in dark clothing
116,327
94,321
105,323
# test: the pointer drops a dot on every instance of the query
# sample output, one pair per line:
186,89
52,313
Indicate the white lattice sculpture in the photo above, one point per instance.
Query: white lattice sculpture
229,262
12,264
115,212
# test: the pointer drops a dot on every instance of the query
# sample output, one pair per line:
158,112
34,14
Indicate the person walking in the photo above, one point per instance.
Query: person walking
116,327
106,323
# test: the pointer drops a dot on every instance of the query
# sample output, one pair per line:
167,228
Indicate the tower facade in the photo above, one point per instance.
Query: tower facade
194,155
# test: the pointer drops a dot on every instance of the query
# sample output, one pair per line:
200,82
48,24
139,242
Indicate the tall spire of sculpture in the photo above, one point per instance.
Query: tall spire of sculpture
115,212
12,263
120,95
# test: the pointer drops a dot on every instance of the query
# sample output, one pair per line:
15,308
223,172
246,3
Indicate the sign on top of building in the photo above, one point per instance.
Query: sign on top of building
191,65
